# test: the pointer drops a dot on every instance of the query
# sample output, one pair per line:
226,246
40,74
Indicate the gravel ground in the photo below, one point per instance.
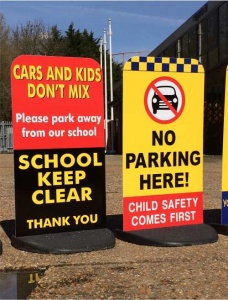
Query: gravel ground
128,270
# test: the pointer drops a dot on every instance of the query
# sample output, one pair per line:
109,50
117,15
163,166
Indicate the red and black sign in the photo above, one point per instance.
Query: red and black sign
58,123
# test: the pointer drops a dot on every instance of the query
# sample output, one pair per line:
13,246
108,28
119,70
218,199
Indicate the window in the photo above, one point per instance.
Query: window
223,32
210,40
171,51
193,43
204,60
203,36
212,31
213,57
184,46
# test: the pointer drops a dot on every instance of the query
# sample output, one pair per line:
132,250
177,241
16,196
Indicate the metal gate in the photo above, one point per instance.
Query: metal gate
6,136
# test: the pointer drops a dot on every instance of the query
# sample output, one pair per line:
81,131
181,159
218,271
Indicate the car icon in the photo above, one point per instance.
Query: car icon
169,93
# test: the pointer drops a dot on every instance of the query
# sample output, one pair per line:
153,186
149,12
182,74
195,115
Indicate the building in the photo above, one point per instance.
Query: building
204,36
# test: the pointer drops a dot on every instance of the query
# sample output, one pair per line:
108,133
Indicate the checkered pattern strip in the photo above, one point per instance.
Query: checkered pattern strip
163,64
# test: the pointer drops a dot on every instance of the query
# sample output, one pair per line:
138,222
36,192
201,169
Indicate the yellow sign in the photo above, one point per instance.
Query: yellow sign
224,215
162,142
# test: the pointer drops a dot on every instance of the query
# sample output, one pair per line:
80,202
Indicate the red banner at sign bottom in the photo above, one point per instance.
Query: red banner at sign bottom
147,212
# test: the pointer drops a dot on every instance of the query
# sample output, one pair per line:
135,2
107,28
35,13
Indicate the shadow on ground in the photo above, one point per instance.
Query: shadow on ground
114,222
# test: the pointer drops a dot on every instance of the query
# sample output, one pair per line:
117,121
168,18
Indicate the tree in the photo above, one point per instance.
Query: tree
54,45
81,44
30,38
5,59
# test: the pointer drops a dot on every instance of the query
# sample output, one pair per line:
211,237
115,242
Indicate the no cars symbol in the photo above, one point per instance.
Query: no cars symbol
164,100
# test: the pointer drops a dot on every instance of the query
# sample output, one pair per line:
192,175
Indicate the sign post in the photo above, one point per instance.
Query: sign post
163,152
58,121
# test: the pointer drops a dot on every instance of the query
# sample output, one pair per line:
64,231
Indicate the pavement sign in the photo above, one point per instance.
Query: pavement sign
163,102
58,121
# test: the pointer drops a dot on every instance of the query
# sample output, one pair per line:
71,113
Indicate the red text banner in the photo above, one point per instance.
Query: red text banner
157,211
57,102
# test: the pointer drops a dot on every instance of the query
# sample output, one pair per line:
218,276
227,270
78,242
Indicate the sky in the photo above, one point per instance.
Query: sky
137,26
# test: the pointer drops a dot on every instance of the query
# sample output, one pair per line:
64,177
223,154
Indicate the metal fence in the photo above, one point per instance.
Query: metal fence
6,136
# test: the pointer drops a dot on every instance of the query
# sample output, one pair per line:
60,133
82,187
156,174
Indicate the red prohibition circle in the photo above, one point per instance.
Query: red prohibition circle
153,87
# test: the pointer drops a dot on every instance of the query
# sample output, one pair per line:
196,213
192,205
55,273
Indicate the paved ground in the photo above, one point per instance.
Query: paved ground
126,271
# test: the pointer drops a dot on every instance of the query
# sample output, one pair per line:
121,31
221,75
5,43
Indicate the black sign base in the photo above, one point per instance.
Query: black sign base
0,247
66,242
170,236
220,228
